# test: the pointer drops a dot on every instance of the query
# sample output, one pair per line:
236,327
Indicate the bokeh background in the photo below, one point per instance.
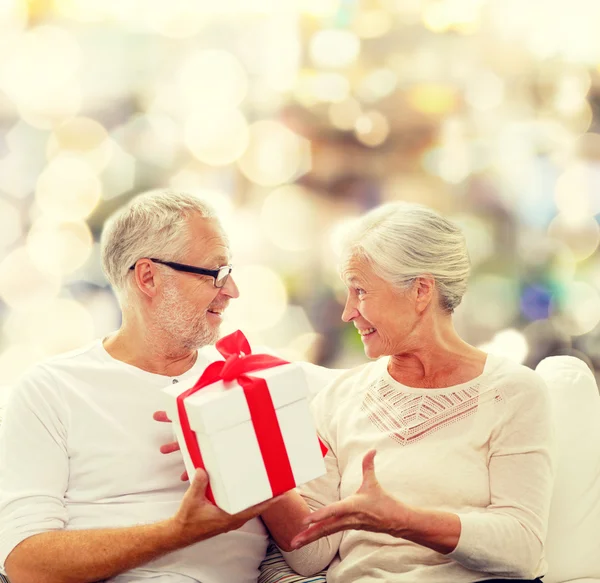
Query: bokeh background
292,117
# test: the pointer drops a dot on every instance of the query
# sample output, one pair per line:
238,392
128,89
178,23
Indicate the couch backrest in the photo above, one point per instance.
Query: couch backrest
573,541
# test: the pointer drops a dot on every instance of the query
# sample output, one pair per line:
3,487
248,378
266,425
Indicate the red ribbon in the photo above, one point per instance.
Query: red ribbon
239,361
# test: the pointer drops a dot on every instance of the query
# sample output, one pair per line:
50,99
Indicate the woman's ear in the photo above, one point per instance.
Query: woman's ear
424,292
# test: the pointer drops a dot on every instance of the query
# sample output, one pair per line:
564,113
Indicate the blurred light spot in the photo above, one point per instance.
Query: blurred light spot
84,10
262,301
61,326
478,235
334,48
153,138
212,79
509,343
377,85
432,99
372,23
68,189
571,91
577,312
485,91
289,218
46,110
15,360
535,302
42,61
218,137
119,176
23,285
372,128
174,19
330,87
461,15
491,302
339,234
320,8
581,234
84,138
275,154
343,115
13,17
59,248
578,190
10,224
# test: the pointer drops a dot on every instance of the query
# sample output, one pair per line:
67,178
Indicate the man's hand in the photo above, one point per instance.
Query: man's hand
168,447
198,518
371,508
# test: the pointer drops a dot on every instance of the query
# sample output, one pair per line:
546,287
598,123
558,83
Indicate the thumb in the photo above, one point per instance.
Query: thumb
368,468
199,483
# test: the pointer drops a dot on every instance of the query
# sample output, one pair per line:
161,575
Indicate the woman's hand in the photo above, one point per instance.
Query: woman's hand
371,508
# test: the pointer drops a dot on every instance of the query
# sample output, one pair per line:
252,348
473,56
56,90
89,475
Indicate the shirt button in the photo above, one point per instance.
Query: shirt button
175,381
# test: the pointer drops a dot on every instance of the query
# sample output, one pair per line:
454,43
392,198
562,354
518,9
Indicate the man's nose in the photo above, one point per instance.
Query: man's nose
230,288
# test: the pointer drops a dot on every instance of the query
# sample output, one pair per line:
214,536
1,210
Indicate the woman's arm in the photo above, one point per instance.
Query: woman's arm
373,509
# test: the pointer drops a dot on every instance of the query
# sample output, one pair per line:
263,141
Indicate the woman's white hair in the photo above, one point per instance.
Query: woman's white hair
403,241
152,224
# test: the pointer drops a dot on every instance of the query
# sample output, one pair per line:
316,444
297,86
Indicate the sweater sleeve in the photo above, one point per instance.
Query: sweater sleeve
33,462
507,538
318,493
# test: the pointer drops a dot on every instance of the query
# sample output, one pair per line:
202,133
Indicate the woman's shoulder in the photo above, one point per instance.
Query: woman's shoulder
351,381
514,379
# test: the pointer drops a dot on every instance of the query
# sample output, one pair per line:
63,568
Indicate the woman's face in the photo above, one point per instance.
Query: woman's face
384,316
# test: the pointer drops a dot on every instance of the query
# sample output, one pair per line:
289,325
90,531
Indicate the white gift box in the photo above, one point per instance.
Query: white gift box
220,417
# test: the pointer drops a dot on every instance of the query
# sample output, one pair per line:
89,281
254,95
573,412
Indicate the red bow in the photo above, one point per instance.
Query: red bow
239,361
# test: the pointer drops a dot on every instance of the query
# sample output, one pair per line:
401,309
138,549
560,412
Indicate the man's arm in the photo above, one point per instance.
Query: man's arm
93,555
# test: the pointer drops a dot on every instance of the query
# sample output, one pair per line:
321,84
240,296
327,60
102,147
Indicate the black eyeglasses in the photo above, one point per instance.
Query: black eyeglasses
221,274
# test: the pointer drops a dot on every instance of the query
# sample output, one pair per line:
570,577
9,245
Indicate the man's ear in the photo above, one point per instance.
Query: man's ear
424,291
146,277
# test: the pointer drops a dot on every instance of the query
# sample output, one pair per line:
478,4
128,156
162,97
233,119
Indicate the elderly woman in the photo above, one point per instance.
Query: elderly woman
460,488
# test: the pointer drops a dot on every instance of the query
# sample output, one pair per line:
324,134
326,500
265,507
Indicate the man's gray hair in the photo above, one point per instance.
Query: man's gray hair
152,224
403,241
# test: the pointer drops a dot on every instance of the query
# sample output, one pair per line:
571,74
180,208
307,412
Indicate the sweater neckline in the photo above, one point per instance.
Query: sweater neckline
491,363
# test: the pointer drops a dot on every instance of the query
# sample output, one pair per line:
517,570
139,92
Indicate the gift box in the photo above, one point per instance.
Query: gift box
247,422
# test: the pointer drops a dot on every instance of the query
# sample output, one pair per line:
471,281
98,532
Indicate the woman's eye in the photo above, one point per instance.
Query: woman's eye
360,292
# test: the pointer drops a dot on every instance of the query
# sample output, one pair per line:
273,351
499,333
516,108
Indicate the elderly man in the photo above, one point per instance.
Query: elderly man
85,494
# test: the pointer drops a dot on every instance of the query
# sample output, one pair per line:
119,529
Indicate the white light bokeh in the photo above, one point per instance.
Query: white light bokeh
68,189
15,359
288,218
334,48
509,343
578,311
59,248
11,227
372,128
218,137
62,326
275,154
23,285
212,79
262,301
84,138
343,115
581,234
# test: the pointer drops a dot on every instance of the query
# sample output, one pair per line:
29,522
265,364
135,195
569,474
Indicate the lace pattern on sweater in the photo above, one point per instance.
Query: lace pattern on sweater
407,417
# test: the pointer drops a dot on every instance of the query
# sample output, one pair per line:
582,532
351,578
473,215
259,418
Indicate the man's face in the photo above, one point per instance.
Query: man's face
190,307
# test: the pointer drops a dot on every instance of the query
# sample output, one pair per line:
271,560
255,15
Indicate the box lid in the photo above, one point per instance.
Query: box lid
223,404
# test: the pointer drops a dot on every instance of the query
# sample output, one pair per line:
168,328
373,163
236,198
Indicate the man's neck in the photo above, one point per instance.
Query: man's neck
139,349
